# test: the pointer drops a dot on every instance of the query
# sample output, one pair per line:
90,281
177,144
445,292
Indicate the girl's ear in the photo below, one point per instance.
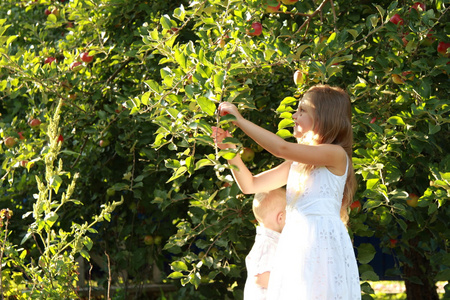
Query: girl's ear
280,217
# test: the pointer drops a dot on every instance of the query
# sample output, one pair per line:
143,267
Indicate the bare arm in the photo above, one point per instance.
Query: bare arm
331,156
263,279
247,182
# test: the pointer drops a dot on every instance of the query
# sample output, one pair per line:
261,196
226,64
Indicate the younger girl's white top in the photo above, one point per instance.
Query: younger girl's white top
315,257
259,261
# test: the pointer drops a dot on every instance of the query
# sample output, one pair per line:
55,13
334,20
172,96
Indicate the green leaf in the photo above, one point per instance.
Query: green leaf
165,22
371,183
206,105
178,172
218,81
432,128
395,120
179,266
285,123
51,218
284,133
55,183
366,252
144,98
176,275
203,163
179,13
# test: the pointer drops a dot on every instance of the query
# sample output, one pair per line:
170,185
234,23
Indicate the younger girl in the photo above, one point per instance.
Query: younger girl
315,257
270,212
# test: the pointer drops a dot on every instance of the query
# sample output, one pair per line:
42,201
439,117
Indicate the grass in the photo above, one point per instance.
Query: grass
395,290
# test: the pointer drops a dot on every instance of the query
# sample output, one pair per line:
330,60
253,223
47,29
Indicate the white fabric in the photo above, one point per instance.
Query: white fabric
260,260
315,259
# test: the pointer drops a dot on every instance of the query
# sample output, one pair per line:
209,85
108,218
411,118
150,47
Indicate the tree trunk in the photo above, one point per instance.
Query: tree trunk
420,269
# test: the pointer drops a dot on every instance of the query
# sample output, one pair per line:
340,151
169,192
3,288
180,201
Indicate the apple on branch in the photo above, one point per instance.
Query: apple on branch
412,200
256,29
272,9
34,123
442,48
397,79
299,77
418,6
356,206
10,142
85,57
76,66
49,60
247,154
396,19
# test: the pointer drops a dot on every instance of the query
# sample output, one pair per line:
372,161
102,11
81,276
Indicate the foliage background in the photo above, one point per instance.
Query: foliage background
159,71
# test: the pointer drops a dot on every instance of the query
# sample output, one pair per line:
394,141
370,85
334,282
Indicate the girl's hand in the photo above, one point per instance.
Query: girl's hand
226,108
218,135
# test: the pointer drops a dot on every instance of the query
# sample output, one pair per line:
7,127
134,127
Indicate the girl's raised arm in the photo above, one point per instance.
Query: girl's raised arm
331,156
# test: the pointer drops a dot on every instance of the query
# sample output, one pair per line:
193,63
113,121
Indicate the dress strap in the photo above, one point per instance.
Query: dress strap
347,166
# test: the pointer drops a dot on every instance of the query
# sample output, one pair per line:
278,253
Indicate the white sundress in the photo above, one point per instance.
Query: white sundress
315,259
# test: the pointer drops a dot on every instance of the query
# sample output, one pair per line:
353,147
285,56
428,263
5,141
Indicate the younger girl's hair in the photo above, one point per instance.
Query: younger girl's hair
265,202
332,125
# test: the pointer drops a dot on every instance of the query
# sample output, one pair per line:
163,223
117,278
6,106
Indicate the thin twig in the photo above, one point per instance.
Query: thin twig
109,277
90,278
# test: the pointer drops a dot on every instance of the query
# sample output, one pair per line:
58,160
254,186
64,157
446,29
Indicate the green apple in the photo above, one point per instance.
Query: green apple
158,239
299,77
247,154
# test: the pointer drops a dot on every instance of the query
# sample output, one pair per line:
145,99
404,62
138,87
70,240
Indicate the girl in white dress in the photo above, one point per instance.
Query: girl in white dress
315,257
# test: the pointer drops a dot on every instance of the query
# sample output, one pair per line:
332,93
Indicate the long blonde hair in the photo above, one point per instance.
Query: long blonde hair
332,125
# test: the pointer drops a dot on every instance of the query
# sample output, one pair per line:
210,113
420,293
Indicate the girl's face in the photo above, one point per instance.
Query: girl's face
303,118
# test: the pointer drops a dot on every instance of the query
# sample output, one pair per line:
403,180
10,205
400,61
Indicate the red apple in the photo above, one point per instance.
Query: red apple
418,6
34,123
392,243
256,29
299,77
247,154
408,75
396,19
272,9
49,60
55,11
47,12
412,200
442,48
85,57
103,143
356,206
75,66
10,142
148,240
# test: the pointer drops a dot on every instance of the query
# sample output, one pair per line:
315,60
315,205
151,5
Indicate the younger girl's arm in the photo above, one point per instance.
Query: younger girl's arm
247,182
263,279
